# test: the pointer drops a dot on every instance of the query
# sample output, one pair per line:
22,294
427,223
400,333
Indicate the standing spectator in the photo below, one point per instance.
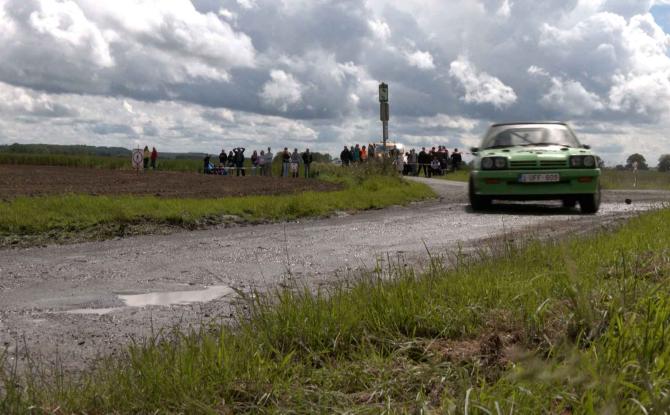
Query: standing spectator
435,166
285,162
254,162
423,162
307,161
147,154
261,163
345,156
268,162
295,163
223,158
154,157
364,154
356,154
231,159
238,153
412,161
456,160
371,151
399,161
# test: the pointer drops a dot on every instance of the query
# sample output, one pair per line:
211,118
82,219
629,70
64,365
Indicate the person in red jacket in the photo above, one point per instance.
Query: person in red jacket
154,157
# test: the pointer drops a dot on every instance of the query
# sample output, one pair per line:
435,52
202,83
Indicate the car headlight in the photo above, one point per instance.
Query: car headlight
494,163
582,161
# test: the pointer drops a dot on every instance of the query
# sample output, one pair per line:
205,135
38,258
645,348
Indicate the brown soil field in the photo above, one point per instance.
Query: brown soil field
21,180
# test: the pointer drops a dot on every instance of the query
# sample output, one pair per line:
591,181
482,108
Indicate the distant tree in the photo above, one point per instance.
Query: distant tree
620,167
641,161
664,162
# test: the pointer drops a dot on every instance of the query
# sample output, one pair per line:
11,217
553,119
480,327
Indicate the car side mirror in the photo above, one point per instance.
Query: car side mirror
586,146
474,150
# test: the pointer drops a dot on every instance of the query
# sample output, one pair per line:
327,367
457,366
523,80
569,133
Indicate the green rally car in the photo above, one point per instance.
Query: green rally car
534,161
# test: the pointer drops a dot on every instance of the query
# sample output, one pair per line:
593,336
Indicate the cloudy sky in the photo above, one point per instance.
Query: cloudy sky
204,74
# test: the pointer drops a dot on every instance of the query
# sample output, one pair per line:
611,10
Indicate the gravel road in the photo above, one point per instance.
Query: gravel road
74,303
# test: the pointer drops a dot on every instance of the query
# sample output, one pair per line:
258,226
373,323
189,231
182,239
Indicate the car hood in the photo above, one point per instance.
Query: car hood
535,152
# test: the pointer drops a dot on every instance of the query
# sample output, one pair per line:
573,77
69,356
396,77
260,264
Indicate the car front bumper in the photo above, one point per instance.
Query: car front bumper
506,184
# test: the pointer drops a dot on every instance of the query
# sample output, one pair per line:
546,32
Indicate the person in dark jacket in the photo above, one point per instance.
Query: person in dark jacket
231,159
307,161
456,160
345,156
223,158
424,160
238,154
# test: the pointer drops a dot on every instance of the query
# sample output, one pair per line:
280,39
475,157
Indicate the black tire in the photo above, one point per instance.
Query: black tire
477,202
589,204
569,203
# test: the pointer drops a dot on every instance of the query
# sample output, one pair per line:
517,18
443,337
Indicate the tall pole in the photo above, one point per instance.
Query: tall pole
384,113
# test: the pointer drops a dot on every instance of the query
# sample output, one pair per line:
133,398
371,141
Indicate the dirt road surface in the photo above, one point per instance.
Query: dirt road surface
73,303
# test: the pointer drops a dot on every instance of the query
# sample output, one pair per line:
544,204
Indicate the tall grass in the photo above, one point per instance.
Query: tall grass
579,326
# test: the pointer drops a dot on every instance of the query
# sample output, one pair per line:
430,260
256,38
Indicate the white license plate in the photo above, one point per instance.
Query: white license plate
540,178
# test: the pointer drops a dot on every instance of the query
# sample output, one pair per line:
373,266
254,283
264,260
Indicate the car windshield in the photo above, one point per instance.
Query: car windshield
529,135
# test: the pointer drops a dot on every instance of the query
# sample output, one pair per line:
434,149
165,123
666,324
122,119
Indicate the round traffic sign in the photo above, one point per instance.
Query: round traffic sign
138,158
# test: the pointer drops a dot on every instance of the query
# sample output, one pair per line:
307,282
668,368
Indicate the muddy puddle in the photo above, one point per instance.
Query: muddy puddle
166,298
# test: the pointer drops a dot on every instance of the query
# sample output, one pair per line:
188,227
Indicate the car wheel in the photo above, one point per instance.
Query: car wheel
477,202
590,203
569,203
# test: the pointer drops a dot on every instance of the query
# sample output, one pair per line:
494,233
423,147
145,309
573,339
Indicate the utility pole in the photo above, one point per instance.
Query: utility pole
384,113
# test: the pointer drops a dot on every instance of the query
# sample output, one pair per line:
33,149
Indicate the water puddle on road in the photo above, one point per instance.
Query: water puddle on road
166,298
175,297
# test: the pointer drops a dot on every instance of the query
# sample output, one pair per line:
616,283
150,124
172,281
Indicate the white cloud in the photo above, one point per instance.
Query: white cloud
421,60
380,29
451,122
281,91
570,97
24,102
480,87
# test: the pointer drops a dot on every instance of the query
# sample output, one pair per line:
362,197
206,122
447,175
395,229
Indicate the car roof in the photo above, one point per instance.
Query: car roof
529,122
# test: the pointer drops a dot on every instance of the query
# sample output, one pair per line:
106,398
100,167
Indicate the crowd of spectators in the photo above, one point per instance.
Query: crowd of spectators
233,162
436,161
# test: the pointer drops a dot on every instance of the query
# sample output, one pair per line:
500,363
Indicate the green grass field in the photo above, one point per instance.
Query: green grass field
578,326
364,188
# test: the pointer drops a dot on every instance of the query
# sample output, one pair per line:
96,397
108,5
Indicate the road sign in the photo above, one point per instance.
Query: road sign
383,92
138,158
384,111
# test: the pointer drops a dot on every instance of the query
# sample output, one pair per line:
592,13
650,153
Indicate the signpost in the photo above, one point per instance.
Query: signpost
384,112
138,159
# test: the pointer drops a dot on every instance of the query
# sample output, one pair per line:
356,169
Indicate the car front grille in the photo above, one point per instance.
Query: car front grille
531,164
542,164
554,164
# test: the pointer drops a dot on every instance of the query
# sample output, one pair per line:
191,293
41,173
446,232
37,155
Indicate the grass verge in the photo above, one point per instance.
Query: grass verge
72,214
578,326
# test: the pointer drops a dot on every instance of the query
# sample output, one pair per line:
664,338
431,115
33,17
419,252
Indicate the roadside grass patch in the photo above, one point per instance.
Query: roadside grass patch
577,326
75,212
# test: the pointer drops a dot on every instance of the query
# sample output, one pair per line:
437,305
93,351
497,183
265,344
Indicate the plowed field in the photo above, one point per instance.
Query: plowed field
20,180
